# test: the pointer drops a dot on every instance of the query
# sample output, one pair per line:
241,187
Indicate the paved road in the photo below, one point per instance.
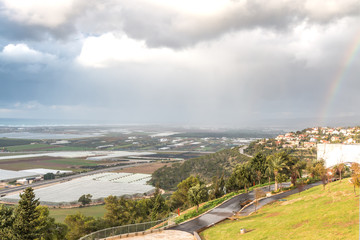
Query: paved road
68,178
268,200
228,208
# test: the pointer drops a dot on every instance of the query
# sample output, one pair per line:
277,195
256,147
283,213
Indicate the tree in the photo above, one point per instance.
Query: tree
232,183
258,166
280,178
120,211
6,222
180,197
49,176
269,172
48,228
79,225
339,168
243,175
355,176
25,225
295,167
259,193
158,205
217,187
29,221
310,168
85,199
321,171
197,194
276,163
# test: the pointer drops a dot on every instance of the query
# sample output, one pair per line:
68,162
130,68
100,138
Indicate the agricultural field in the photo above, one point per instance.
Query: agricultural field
60,213
5,142
148,168
99,185
73,164
130,138
30,147
332,213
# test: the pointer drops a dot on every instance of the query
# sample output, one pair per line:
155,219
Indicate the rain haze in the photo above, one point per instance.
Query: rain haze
204,62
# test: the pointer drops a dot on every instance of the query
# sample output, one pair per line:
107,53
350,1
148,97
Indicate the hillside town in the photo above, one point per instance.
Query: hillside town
310,137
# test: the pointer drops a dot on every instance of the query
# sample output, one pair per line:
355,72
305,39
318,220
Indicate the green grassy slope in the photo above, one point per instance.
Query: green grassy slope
314,214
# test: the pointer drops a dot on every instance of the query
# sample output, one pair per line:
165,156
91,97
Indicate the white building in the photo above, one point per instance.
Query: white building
334,154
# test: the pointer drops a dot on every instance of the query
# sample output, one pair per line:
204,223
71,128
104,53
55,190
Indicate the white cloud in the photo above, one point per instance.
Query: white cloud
39,12
23,54
106,49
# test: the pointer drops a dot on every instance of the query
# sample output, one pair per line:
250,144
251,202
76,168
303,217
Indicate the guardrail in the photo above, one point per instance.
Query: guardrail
126,229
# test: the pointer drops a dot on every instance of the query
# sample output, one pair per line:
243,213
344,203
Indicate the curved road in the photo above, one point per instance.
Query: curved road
228,208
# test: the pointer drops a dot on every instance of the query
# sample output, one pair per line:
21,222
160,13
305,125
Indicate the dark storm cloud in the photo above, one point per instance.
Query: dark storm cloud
176,28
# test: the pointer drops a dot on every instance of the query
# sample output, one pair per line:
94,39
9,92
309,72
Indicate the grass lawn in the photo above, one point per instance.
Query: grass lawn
314,214
60,213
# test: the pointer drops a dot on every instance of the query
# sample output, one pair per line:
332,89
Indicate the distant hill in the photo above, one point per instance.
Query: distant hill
206,167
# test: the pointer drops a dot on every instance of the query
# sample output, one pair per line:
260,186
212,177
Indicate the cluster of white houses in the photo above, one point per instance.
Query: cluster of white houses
324,135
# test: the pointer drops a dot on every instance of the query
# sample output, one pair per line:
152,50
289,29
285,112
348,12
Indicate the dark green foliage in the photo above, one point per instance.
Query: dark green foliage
85,199
48,228
232,184
244,174
240,178
206,167
217,187
6,142
6,222
258,166
180,197
49,176
25,226
29,221
122,211
198,194
159,208
79,225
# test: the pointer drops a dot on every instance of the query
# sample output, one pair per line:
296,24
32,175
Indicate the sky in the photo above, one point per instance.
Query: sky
202,62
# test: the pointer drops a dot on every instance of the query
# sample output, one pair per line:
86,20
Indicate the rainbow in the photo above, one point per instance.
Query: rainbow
346,62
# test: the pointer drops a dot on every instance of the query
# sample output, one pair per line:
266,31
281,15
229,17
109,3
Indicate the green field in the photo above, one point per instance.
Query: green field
46,147
28,147
314,214
6,142
60,213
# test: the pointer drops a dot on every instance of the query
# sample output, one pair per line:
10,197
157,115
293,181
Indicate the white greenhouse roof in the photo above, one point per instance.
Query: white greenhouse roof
98,185
8,175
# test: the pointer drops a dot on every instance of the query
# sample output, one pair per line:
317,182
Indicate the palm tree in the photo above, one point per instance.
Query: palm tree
339,168
276,164
296,169
268,172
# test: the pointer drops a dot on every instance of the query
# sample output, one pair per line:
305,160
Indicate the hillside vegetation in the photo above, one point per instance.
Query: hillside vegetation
222,162
332,213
